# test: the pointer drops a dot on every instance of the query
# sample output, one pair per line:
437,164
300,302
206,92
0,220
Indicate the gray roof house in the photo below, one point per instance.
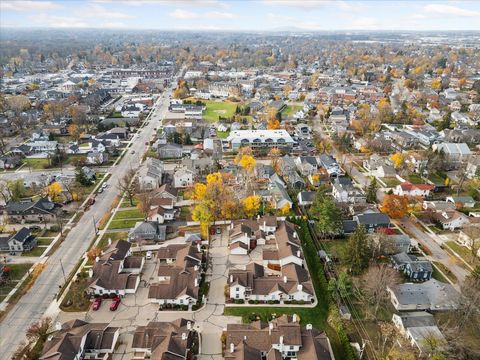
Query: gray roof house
431,295
148,230
22,241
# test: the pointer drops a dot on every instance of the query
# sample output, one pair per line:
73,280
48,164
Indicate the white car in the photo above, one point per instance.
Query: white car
148,255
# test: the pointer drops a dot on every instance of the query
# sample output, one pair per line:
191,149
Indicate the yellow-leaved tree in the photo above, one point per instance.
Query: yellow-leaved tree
285,209
54,190
251,205
398,159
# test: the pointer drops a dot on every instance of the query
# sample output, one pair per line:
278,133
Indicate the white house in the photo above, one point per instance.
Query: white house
183,178
409,189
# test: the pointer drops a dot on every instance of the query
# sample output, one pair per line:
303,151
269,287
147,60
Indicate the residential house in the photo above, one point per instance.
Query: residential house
165,340
393,244
150,175
77,339
412,267
438,205
472,170
431,295
116,271
96,158
281,338
371,220
170,151
415,190
450,219
147,231
279,196
10,162
166,191
469,237
418,327
179,273
21,241
461,201
29,210
330,164
455,153
343,191
183,177
307,165
161,214
305,198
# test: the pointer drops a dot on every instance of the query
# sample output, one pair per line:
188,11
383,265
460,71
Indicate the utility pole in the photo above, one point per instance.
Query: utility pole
63,272
95,225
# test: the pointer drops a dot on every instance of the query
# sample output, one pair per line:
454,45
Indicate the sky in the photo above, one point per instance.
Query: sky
243,15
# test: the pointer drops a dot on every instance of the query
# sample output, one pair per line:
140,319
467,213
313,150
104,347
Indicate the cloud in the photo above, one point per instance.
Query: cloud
46,20
299,4
181,14
279,17
177,3
449,10
27,5
365,23
98,11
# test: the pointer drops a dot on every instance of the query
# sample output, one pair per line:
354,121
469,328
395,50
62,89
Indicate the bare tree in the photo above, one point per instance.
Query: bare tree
375,282
127,186
145,201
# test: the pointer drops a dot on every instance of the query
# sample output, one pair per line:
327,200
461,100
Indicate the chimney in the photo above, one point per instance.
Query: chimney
90,272
285,279
264,225
231,279
195,268
281,340
232,348
109,241
294,234
196,282
97,259
199,248
184,336
270,328
58,326
189,325
294,318
299,287
309,327
299,253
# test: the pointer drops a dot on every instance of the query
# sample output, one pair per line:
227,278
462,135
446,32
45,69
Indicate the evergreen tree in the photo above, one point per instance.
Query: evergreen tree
328,217
372,191
358,250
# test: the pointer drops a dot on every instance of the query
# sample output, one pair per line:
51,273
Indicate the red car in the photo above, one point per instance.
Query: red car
115,303
96,304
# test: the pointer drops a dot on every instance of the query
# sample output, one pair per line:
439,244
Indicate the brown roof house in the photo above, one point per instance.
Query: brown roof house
165,340
254,284
77,339
179,275
246,234
282,338
285,249
116,271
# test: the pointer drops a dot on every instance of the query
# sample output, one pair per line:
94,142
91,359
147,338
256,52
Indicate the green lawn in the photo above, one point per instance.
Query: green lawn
17,272
76,300
113,236
222,134
36,164
122,224
446,271
438,276
128,214
415,179
464,252
44,241
391,182
215,109
437,179
290,110
126,203
36,251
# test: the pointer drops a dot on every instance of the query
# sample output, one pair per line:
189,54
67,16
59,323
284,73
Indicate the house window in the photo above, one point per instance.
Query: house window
237,296
181,301
238,289
290,297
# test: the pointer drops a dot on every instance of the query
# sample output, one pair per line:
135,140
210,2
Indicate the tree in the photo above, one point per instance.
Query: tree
16,189
251,205
273,124
358,250
145,202
54,190
74,131
285,209
93,253
343,285
203,214
372,191
395,206
81,178
328,217
274,154
126,185
398,159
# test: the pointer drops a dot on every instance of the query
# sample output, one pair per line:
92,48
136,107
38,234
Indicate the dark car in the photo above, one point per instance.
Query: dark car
115,303
96,304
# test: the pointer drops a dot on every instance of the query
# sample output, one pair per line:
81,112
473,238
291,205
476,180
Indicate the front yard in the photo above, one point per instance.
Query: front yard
17,271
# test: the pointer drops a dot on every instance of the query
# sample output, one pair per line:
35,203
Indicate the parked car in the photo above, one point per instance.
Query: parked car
148,255
96,304
99,191
115,303
104,185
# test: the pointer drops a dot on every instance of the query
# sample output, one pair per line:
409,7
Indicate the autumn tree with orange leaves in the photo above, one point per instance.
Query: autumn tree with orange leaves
395,206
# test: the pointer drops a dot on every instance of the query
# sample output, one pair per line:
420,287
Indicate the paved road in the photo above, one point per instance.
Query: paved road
33,305
438,254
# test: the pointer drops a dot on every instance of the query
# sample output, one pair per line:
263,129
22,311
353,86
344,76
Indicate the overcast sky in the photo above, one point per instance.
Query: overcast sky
243,15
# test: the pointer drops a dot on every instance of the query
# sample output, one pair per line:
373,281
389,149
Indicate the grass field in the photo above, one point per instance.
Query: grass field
415,179
222,134
391,182
44,241
290,110
16,273
215,109
126,203
113,236
39,164
437,179
128,214
122,224
465,253
446,271
37,251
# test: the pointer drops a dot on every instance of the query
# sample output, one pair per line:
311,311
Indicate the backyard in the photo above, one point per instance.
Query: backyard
17,271
215,109
290,110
